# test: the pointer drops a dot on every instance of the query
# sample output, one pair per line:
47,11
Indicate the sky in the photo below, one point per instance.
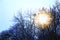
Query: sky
9,8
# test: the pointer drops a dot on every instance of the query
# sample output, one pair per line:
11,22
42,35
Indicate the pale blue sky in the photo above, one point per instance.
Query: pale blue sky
9,8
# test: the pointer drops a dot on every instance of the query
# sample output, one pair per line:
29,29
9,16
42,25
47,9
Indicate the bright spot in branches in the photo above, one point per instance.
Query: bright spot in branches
43,18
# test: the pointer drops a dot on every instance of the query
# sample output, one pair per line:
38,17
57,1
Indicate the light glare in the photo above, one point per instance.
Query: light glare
43,19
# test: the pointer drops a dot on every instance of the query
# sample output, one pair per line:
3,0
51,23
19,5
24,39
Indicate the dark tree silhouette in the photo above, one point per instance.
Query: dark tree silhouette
25,28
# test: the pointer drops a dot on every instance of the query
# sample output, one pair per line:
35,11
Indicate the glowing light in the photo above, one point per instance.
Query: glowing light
43,18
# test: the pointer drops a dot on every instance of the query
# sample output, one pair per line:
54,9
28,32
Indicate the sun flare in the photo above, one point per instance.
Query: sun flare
43,18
